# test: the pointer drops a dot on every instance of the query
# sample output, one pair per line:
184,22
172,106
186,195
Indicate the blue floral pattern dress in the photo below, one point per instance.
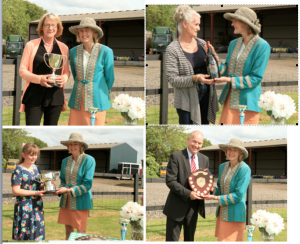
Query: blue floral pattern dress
29,223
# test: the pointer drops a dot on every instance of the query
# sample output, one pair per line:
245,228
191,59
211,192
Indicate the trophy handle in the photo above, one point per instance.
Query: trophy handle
45,60
64,62
37,180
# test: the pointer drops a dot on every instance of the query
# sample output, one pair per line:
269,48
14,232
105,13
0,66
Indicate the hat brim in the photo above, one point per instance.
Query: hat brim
73,29
65,143
224,147
230,16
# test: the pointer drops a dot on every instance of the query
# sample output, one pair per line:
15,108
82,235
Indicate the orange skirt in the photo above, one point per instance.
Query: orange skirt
232,116
81,117
75,218
229,231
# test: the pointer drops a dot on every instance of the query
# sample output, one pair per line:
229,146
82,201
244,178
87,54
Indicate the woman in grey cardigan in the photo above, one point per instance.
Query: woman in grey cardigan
195,96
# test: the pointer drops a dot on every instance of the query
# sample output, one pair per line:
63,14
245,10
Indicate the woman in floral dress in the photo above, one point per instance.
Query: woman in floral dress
29,223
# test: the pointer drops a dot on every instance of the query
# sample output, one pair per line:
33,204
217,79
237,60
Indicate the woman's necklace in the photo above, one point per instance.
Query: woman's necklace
47,43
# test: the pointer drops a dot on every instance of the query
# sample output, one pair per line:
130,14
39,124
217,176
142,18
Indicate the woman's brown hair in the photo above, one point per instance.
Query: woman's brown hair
55,18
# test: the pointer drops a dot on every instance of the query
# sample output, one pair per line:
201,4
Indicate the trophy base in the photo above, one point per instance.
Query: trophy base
53,84
50,191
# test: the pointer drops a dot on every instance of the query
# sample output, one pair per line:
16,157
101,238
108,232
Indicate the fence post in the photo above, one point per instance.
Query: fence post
18,89
136,188
165,91
249,204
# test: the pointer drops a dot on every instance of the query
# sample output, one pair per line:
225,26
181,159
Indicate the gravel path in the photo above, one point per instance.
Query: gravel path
157,194
125,76
282,69
99,185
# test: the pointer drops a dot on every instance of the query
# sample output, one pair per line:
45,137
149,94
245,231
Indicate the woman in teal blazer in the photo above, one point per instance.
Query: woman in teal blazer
92,66
76,176
243,69
233,181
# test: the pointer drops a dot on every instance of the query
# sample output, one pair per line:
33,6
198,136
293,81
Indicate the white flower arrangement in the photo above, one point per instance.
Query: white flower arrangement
271,222
277,105
133,106
132,211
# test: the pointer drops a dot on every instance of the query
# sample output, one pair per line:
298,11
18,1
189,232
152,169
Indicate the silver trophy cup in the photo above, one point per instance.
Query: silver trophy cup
47,180
55,63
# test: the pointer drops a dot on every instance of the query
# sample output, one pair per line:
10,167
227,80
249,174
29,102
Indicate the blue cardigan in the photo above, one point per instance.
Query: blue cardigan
246,72
231,193
98,81
79,181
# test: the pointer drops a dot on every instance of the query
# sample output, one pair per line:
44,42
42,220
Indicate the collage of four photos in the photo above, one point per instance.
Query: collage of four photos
147,122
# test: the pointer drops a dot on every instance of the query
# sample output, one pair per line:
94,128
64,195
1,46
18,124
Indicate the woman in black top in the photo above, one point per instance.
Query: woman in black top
39,97
195,97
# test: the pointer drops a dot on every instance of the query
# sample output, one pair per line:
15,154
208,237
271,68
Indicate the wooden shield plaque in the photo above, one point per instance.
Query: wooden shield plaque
201,182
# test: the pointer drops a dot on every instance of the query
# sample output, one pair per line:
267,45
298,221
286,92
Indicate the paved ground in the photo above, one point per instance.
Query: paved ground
125,76
157,194
99,185
281,69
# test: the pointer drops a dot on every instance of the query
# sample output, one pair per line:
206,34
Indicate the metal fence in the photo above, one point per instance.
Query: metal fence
14,116
160,97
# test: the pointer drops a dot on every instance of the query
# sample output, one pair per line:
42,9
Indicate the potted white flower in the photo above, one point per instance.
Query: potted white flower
279,107
131,108
269,224
134,212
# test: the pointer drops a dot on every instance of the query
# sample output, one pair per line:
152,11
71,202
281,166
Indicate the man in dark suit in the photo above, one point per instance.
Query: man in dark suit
183,204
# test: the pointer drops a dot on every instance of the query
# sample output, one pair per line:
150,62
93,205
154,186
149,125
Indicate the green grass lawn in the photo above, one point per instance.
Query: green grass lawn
103,220
152,114
156,229
113,117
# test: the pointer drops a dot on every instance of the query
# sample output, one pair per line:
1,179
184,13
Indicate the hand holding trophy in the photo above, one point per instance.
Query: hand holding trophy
55,61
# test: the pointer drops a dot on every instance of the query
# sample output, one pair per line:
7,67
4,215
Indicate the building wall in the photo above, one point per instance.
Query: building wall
122,153
277,25
269,161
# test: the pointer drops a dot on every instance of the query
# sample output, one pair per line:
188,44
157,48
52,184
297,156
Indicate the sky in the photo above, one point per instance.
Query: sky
223,134
133,136
66,7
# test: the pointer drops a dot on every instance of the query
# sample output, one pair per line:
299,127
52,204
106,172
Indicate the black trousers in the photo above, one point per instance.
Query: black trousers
34,113
189,224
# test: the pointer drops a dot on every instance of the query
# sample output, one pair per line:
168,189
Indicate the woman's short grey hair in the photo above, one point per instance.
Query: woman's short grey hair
184,12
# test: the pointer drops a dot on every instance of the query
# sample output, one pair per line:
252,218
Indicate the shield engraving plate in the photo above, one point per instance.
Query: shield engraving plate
201,182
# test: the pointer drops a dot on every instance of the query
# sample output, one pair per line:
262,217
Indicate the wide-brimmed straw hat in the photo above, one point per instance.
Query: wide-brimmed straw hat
247,16
234,143
87,23
75,137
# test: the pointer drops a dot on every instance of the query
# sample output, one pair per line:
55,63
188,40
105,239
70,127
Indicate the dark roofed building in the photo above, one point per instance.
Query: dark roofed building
123,30
107,156
268,157
279,23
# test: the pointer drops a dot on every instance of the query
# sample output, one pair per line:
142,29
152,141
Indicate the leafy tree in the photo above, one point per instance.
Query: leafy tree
161,15
161,141
16,15
4,162
152,167
12,140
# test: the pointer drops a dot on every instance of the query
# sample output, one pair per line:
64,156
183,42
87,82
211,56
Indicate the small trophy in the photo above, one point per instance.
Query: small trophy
242,109
47,180
124,223
250,229
93,112
55,61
